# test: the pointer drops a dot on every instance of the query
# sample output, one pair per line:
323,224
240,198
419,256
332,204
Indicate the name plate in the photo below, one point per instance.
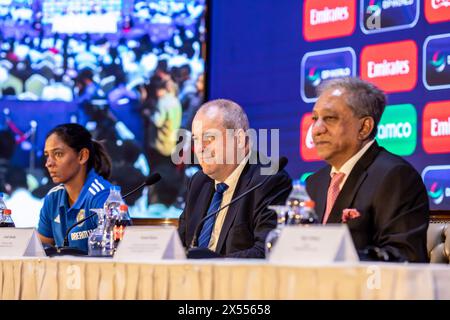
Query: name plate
20,242
150,243
314,244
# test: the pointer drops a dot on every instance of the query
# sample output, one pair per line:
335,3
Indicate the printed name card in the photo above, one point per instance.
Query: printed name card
20,242
150,243
314,244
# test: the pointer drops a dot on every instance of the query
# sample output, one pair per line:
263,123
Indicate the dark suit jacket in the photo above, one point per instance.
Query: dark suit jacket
247,221
392,200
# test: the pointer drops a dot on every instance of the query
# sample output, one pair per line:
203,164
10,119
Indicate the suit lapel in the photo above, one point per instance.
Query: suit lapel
233,209
321,193
354,181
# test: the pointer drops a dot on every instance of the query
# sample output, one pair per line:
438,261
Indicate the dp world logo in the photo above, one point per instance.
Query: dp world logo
319,66
314,76
387,15
437,182
436,193
436,62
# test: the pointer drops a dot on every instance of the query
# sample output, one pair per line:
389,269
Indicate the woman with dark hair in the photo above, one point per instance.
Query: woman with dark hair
80,167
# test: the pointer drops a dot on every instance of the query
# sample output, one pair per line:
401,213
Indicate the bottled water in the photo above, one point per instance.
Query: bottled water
299,210
301,207
113,203
274,234
97,239
101,241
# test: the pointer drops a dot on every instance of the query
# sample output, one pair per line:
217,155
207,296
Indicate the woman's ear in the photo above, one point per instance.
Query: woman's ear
367,126
83,156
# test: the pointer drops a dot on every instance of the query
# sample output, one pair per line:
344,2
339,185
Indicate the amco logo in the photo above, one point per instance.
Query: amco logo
397,130
437,182
319,66
388,15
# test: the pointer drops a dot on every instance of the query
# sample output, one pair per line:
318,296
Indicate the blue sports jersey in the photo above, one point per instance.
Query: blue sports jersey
57,216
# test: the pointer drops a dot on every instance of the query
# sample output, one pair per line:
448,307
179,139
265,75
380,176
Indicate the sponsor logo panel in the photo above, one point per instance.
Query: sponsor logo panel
388,15
437,10
436,62
324,19
390,66
437,182
436,127
397,130
319,66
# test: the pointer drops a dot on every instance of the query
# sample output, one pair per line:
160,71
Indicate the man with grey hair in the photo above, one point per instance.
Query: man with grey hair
223,150
379,195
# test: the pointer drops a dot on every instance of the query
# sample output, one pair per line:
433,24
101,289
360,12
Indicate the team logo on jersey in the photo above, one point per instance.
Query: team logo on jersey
388,15
80,216
436,62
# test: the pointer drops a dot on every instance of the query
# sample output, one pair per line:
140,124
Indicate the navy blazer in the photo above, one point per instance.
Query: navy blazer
391,198
248,220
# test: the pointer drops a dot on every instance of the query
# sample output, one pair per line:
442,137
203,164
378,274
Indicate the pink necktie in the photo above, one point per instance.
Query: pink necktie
333,191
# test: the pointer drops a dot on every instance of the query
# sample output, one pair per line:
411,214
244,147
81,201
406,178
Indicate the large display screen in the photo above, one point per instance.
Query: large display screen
118,67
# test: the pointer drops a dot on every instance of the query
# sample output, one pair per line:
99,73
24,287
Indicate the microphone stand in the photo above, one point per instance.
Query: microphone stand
66,250
194,252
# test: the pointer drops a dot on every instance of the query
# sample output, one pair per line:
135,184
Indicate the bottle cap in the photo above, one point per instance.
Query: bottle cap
6,211
310,204
1,194
115,188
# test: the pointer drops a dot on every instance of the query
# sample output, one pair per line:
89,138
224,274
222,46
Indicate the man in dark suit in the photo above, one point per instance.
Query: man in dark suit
228,170
379,195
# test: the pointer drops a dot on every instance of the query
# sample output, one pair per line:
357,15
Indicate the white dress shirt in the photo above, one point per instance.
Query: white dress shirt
347,167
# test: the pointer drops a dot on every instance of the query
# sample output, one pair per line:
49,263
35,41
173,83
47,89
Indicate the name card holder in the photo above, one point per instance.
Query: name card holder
150,243
20,242
314,244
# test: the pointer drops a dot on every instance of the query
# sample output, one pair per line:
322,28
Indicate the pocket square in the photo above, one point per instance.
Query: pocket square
349,214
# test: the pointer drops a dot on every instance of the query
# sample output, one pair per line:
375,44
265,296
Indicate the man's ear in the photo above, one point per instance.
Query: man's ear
367,126
83,156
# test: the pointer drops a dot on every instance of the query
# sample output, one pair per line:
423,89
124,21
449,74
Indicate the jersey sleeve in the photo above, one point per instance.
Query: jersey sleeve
45,219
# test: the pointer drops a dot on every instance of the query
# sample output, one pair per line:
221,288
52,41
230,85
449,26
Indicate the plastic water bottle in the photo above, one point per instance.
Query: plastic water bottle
301,206
7,219
96,238
2,207
101,241
113,203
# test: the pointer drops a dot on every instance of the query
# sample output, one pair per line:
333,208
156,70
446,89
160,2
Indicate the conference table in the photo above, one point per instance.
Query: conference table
96,278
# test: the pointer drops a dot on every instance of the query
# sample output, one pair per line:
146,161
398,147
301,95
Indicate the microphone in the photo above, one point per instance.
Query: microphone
154,178
65,249
198,253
